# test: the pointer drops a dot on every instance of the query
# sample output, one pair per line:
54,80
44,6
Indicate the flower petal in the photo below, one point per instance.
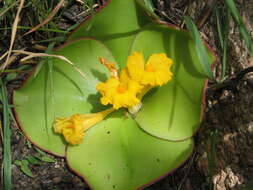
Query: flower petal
119,92
157,70
135,66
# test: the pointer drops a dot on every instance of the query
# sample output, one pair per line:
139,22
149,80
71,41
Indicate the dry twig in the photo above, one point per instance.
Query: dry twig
11,58
205,13
80,1
4,55
13,34
32,55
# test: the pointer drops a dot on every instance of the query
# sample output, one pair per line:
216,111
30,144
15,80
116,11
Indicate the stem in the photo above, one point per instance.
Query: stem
232,83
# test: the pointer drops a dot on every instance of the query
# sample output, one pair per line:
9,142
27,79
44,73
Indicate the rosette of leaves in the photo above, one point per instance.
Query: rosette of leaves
122,152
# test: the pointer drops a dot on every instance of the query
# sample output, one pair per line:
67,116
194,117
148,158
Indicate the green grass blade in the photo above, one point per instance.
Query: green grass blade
200,48
212,154
225,44
219,26
150,6
223,32
73,27
39,29
224,59
6,8
231,5
89,4
243,30
6,139
55,39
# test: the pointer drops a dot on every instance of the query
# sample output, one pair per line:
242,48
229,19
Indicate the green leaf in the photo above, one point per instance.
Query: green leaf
45,159
117,154
24,167
73,93
33,160
115,25
173,111
29,145
40,152
11,76
200,48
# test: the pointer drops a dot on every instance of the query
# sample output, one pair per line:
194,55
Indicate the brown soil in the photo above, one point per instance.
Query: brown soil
228,114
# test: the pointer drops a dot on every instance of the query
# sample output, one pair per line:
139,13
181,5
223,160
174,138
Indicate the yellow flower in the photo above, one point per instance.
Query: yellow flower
73,127
155,73
135,80
120,92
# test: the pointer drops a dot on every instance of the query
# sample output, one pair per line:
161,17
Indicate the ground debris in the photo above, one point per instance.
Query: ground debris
227,179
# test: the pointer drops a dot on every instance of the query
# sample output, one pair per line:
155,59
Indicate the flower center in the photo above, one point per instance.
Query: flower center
122,88
149,68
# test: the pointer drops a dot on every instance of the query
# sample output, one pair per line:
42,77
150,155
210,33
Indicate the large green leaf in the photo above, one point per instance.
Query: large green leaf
41,99
173,111
118,155
116,25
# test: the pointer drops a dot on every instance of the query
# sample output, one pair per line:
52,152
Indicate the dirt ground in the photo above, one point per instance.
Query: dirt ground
226,132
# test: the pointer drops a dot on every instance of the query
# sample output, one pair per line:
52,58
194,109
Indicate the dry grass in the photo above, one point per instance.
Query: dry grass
13,34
